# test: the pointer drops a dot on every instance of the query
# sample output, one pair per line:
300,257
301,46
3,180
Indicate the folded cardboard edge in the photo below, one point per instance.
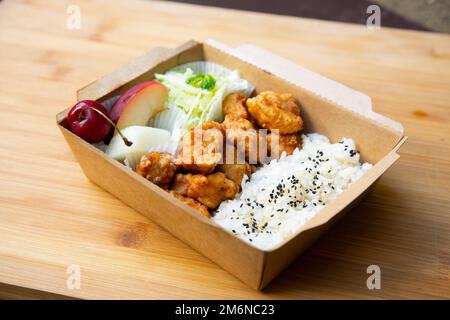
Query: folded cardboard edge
130,71
73,140
341,203
348,195
61,115
273,265
400,143
98,89
315,83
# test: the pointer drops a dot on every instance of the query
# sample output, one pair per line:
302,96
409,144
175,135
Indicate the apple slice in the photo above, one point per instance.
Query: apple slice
143,138
138,104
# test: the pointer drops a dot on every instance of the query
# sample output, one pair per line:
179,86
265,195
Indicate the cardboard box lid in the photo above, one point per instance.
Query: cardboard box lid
326,88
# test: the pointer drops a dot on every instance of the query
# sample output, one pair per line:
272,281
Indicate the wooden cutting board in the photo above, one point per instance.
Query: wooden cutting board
52,217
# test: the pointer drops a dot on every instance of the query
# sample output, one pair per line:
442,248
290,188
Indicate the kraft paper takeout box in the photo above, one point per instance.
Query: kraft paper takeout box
327,107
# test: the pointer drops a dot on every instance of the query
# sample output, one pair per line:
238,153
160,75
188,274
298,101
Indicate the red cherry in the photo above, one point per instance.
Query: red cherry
87,123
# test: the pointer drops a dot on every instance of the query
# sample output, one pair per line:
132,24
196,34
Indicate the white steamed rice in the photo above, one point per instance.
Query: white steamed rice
284,194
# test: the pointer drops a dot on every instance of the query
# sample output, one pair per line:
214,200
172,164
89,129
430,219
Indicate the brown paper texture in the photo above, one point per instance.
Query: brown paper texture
327,107
309,80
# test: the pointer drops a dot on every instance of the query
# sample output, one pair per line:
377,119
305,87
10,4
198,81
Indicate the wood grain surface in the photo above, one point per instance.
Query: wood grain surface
51,216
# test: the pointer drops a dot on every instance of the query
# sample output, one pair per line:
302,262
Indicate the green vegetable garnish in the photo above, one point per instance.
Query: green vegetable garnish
202,80
198,98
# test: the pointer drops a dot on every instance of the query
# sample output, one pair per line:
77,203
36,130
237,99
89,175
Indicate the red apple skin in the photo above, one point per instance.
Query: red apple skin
139,103
87,123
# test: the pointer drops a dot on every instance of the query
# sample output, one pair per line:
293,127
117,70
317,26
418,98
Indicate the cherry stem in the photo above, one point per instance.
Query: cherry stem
127,142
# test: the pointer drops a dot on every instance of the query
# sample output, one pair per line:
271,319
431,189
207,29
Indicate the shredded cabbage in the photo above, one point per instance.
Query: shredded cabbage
197,105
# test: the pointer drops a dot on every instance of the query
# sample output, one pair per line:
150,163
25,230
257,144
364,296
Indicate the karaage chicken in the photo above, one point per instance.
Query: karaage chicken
157,167
201,148
275,111
249,141
236,172
278,144
202,209
209,190
234,106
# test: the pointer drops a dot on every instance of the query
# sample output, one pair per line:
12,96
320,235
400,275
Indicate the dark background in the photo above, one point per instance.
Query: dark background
426,15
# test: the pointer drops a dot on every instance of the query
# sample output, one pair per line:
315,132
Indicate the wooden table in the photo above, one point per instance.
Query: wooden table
52,217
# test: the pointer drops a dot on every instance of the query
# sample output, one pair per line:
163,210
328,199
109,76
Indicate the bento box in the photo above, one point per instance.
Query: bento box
327,107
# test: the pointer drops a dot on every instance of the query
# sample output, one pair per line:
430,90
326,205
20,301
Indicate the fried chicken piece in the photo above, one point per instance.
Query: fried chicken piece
248,141
209,190
235,123
288,103
210,124
157,167
201,148
287,143
202,209
234,165
181,183
236,172
273,111
234,106
239,131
